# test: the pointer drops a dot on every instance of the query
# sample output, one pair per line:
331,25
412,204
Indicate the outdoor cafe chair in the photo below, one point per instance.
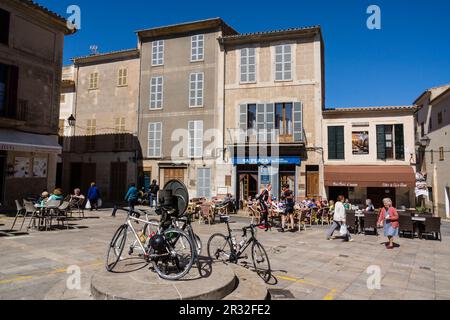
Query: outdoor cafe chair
77,204
371,223
206,212
62,213
433,226
351,222
51,211
406,225
21,212
34,213
324,215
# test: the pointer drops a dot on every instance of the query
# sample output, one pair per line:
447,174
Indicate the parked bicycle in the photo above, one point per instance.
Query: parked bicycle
226,248
170,250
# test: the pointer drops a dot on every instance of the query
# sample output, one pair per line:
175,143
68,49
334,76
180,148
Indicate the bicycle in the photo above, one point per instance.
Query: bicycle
187,227
170,250
225,248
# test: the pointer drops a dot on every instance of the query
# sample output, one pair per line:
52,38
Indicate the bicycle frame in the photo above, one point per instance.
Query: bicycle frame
248,242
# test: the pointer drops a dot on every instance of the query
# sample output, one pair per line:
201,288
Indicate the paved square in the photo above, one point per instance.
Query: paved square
306,266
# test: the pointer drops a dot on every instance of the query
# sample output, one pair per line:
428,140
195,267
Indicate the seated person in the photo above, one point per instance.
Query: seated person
56,196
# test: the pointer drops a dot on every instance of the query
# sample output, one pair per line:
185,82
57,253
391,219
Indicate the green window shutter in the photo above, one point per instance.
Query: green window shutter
399,142
381,143
298,122
332,143
340,144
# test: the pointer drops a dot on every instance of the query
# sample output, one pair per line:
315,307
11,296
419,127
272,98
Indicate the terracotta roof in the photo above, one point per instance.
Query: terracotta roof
106,54
48,12
434,92
365,109
289,30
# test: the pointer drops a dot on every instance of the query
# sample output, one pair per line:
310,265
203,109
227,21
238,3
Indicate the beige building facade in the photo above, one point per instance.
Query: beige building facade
31,44
274,97
433,137
181,104
102,147
370,154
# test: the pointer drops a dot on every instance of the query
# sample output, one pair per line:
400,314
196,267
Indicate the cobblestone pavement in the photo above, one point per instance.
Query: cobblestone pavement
306,266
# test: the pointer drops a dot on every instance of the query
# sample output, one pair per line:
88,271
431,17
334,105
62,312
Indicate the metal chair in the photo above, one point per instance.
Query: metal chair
206,212
52,210
34,212
77,203
62,213
255,214
433,226
21,212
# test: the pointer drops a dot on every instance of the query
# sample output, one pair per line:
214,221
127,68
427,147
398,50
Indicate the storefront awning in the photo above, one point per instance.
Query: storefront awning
11,140
370,176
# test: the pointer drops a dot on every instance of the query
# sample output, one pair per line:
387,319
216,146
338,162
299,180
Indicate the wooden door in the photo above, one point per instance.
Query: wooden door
312,184
173,174
118,181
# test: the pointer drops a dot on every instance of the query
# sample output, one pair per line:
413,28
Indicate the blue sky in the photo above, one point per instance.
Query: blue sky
391,66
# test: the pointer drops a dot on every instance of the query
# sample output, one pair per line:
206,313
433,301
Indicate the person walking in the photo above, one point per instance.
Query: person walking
287,196
340,218
389,220
132,196
154,188
264,202
93,196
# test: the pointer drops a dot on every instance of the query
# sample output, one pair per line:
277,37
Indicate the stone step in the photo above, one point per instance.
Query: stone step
137,282
249,285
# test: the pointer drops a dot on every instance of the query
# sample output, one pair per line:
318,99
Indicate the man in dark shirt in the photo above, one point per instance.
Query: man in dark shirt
264,201
287,196
154,188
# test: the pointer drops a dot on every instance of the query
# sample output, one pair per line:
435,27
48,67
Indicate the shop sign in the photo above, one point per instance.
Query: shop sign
395,185
345,184
267,160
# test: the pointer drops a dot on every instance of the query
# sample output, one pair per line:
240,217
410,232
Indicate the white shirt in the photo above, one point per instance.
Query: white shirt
339,212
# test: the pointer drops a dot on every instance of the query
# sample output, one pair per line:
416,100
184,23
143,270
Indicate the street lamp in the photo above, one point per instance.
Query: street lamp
71,120
425,141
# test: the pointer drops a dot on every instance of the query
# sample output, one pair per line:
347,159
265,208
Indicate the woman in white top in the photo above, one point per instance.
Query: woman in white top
339,219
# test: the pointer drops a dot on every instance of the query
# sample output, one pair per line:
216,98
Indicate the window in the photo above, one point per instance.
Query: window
119,133
284,119
156,93
422,129
158,53
283,62
440,119
204,183
336,150
93,81
430,125
441,154
196,90
123,77
63,98
154,139
432,156
264,118
197,45
390,142
9,79
248,65
4,26
91,131
195,139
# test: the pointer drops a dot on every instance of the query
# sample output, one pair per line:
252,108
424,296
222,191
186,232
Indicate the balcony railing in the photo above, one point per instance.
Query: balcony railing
238,136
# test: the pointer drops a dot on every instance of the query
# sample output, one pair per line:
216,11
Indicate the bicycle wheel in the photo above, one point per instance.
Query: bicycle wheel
198,244
116,247
219,247
178,256
261,261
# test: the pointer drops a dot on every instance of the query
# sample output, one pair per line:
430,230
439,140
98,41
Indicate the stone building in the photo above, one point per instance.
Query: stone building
433,138
31,45
274,97
181,103
369,153
102,146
